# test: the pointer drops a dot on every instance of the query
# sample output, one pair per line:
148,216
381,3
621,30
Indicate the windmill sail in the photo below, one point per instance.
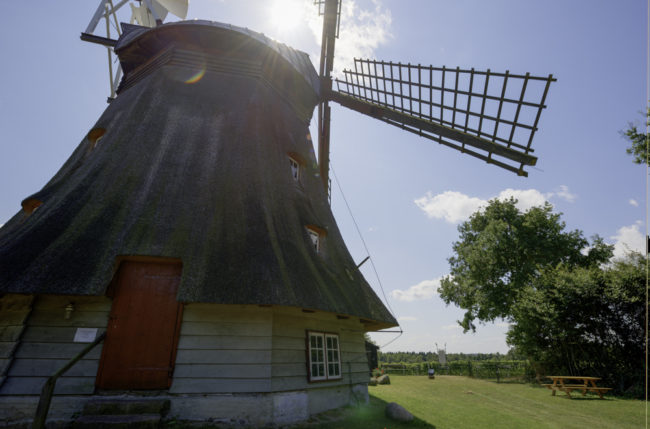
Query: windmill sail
491,116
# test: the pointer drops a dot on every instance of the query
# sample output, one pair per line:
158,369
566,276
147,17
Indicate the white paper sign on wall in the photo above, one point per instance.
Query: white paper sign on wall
85,335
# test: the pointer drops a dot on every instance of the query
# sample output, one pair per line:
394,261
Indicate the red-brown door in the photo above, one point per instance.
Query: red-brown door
142,333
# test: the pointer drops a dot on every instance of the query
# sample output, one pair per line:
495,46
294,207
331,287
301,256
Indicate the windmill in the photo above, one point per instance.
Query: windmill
192,223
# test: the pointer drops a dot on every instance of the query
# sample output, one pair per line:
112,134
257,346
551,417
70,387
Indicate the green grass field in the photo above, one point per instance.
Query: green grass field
461,402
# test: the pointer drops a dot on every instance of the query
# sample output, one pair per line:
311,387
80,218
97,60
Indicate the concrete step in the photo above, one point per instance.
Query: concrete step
126,406
119,421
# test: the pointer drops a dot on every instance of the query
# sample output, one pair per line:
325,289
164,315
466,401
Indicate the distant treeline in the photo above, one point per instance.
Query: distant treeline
500,370
419,357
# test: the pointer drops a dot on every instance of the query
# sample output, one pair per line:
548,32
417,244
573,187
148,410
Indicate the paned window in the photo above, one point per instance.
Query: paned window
324,356
295,169
315,239
333,361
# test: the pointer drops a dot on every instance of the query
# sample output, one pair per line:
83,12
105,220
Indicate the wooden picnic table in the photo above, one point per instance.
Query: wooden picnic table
569,383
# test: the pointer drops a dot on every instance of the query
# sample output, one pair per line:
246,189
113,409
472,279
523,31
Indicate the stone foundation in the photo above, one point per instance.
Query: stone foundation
256,409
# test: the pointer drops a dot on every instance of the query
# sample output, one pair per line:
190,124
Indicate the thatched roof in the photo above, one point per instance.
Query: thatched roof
199,172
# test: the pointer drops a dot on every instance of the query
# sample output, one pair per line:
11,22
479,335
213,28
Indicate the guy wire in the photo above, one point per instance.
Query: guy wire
372,262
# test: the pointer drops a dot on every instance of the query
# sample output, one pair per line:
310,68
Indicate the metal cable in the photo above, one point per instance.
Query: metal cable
381,286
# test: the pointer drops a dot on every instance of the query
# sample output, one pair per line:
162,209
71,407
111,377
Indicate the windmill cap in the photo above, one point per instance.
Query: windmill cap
165,34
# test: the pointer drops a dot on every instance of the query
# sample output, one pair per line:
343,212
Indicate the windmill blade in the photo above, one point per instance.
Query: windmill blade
491,116
176,7
149,13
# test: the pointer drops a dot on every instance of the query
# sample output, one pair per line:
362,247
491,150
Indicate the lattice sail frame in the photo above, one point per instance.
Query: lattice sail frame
496,114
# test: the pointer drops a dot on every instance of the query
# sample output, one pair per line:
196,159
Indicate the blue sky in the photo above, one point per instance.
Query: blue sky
407,194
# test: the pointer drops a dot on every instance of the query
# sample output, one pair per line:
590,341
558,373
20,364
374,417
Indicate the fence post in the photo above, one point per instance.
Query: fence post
469,367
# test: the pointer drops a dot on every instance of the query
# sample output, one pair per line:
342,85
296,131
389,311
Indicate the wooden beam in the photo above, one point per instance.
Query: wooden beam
86,37
326,64
386,114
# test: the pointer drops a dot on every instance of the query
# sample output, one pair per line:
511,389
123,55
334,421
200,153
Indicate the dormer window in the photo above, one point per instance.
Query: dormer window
30,205
95,135
315,239
295,169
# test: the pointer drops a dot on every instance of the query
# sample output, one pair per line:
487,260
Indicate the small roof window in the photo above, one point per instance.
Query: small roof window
317,236
95,135
295,169
315,239
30,205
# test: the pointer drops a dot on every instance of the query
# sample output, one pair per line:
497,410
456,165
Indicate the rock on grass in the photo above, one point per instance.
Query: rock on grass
395,411
384,379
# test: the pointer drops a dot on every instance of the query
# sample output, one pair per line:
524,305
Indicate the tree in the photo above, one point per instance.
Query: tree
586,320
366,336
638,142
571,310
501,250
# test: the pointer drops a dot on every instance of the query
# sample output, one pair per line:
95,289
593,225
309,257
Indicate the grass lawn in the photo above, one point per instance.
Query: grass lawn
461,402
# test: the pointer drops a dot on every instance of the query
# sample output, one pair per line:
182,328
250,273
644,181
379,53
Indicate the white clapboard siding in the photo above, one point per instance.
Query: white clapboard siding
47,344
14,309
224,348
247,348
290,326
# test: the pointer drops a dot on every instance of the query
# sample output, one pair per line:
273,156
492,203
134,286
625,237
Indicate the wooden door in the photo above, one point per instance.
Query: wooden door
143,327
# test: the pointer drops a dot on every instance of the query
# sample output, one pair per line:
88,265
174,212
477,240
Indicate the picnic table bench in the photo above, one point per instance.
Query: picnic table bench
588,385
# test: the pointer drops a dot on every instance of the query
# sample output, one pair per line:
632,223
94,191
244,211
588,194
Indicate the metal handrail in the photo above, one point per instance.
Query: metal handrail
48,388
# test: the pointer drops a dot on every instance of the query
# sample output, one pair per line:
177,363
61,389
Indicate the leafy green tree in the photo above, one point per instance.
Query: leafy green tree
638,142
586,320
501,250
571,310
366,336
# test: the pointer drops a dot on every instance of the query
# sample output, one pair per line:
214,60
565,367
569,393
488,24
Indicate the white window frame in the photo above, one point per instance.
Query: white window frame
314,236
333,356
328,360
295,169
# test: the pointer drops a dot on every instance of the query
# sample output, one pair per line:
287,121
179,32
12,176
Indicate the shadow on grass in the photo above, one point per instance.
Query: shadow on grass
589,396
507,381
360,417
585,398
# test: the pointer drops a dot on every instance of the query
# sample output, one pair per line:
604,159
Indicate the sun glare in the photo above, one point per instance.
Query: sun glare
286,14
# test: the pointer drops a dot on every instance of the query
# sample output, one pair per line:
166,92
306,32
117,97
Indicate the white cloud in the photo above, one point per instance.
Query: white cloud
452,206
455,207
565,194
362,31
627,239
453,327
634,202
526,198
407,319
424,290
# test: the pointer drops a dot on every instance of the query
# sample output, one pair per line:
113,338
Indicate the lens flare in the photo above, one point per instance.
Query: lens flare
196,76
